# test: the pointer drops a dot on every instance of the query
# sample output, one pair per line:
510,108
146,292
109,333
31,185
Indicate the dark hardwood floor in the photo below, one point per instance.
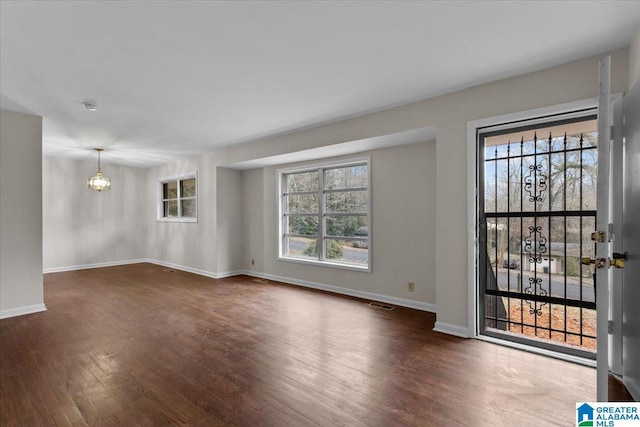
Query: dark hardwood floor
146,345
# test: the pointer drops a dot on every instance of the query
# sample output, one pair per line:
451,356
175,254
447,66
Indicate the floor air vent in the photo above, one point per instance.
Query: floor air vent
381,305
261,280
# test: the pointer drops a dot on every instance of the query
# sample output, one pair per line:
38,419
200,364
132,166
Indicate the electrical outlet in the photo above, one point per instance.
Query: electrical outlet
253,262
411,286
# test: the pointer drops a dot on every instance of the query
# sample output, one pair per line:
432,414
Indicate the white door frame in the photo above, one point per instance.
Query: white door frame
603,220
616,210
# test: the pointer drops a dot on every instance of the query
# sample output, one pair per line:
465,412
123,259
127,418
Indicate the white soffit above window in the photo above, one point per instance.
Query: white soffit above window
412,136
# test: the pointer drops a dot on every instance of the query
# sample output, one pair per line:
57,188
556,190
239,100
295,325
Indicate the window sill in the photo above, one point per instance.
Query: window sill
330,264
192,220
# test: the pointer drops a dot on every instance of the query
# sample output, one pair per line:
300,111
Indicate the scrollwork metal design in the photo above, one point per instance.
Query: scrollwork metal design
535,183
535,244
535,288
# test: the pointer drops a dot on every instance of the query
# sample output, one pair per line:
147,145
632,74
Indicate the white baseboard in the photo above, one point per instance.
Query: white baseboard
418,305
19,311
321,286
448,328
183,268
229,274
196,270
95,265
149,260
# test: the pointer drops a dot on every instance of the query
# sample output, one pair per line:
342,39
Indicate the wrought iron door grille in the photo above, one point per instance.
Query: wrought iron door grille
537,210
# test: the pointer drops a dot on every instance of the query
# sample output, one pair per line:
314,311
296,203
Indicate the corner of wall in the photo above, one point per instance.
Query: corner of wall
450,329
634,60
229,220
21,279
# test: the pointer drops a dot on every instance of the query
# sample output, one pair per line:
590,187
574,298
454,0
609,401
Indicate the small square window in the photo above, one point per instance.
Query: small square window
178,199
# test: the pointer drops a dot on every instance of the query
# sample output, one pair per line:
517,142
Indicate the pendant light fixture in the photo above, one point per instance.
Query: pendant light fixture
99,182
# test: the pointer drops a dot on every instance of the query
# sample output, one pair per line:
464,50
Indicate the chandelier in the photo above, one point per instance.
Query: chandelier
99,182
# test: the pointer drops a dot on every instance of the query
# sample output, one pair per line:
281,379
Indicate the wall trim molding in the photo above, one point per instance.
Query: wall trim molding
448,328
423,306
183,268
19,311
232,273
193,270
402,302
94,265
418,305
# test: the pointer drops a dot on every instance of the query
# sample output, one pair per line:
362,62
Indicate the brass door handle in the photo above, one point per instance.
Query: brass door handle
617,262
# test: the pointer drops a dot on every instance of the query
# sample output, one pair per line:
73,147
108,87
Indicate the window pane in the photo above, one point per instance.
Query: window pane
347,202
303,203
346,226
169,190
170,208
189,208
346,177
305,225
356,252
188,187
305,181
301,247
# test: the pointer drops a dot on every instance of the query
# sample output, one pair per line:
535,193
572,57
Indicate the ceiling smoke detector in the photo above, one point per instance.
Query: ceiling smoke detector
90,104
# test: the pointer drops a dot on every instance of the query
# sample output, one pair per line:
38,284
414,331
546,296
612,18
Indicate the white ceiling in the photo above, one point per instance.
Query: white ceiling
174,79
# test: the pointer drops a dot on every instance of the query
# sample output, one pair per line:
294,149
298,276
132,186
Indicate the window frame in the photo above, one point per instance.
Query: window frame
322,214
160,197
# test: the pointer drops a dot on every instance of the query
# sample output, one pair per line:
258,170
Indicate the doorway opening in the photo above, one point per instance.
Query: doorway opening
536,211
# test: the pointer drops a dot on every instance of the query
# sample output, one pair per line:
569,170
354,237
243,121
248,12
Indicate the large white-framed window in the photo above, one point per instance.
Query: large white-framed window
178,198
325,214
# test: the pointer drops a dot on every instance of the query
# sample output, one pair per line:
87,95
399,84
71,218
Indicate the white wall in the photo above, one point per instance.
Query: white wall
634,60
186,244
253,220
83,227
402,227
439,272
229,217
20,214
449,114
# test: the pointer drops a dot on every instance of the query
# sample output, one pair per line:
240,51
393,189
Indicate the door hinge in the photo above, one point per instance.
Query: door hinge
610,327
